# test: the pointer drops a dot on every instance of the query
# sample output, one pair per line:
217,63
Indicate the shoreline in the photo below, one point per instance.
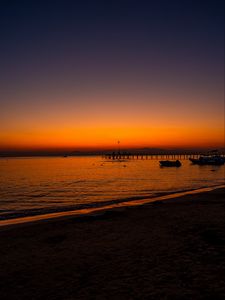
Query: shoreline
93,211
172,249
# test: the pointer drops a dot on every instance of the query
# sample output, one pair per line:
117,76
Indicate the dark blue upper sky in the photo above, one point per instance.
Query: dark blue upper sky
70,36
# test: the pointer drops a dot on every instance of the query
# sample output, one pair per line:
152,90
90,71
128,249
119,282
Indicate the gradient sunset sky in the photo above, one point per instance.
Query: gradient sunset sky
85,74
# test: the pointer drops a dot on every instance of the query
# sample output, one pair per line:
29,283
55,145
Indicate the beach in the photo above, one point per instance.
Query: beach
172,249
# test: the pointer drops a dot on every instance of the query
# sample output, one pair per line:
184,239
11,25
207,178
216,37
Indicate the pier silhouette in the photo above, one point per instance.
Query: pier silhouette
156,155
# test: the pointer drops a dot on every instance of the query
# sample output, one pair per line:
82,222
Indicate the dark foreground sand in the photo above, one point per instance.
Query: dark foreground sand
167,250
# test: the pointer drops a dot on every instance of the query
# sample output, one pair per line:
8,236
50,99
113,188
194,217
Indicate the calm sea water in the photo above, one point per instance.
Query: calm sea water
39,185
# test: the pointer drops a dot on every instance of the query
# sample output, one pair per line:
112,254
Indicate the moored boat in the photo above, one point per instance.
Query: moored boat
170,163
208,160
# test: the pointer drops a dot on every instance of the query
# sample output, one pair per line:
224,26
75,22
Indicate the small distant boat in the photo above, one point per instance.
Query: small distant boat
208,160
170,163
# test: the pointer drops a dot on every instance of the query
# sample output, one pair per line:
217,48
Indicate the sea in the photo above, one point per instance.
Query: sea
39,185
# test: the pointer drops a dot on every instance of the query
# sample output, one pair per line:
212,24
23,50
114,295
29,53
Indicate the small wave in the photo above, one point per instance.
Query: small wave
41,211
37,195
84,209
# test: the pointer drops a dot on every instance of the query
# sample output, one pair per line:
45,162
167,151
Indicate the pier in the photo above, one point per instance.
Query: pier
156,156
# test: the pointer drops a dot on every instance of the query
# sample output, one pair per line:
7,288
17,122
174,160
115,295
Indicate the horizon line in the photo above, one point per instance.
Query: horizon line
99,151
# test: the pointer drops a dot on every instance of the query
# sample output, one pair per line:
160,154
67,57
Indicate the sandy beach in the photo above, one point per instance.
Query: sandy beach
171,249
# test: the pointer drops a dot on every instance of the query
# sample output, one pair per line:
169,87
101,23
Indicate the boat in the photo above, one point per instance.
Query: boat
170,163
208,160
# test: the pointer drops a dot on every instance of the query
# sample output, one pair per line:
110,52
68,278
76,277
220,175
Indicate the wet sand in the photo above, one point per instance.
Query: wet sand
172,249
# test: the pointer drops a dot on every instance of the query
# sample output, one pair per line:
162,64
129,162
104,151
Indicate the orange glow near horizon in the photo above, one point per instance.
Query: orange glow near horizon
107,137
99,125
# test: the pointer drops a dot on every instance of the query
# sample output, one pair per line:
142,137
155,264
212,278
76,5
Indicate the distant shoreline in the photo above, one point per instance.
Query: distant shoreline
98,152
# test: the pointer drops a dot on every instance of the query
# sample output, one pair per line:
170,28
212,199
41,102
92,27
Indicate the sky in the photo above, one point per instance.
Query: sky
85,74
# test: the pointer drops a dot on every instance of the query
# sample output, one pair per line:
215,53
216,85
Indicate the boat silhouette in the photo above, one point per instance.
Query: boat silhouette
170,163
208,160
